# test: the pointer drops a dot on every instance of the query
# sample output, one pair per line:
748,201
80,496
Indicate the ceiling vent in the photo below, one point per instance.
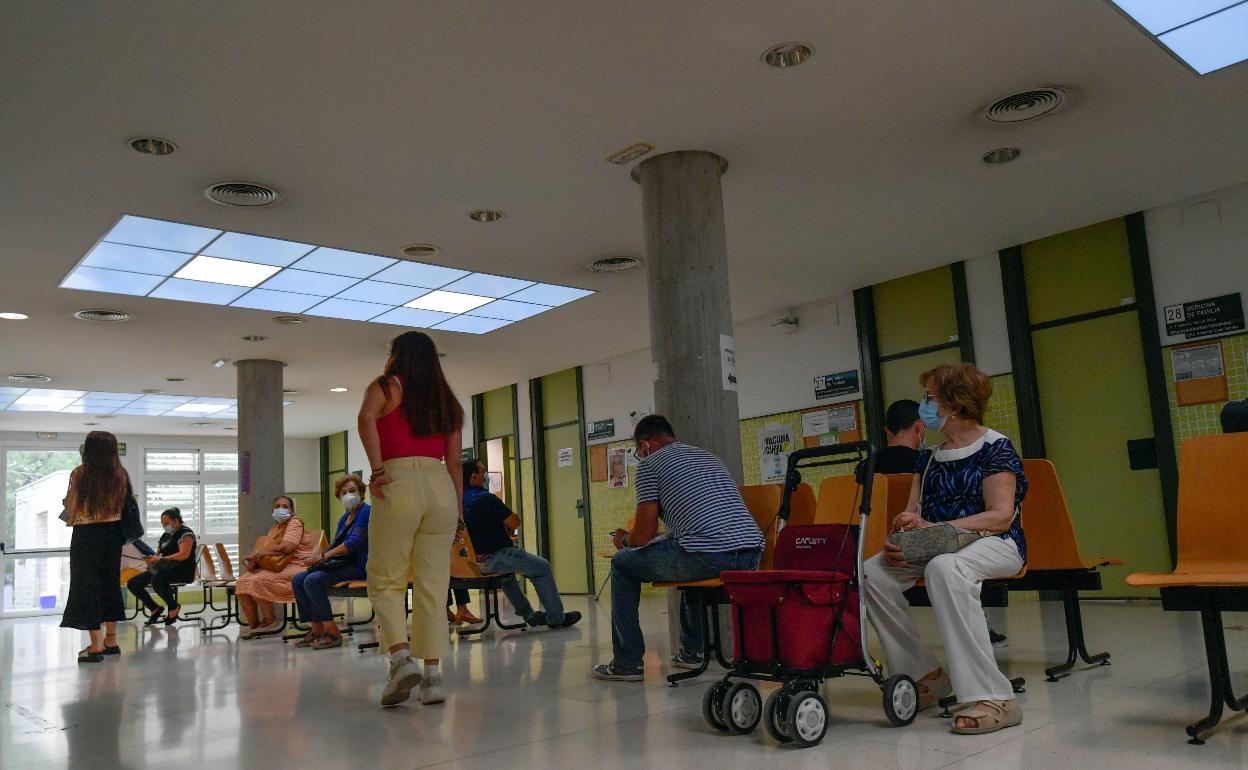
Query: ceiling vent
614,264
242,194
109,316
420,251
29,378
1024,105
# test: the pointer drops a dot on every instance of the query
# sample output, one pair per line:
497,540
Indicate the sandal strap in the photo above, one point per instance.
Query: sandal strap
986,709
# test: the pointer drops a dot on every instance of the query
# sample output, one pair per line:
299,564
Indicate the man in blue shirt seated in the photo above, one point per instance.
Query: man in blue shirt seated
490,524
709,530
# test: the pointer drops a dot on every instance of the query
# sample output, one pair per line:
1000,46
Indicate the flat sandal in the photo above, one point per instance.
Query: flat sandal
989,716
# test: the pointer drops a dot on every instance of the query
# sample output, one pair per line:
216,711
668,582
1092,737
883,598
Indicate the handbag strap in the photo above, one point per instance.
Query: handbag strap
931,455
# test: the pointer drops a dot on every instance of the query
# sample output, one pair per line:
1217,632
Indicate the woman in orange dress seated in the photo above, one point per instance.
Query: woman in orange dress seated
259,588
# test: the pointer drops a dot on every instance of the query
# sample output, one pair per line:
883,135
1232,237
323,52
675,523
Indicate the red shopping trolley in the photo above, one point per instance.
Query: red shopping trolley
804,622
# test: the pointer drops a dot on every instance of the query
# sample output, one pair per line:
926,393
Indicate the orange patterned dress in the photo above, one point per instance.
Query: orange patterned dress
276,586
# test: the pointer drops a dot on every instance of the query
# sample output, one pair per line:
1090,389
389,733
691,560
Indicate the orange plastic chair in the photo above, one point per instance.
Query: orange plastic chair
802,505
889,495
1211,573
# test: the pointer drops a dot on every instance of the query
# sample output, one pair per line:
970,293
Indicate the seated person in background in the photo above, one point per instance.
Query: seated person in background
974,480
1235,417
709,530
905,433
345,559
461,613
260,587
174,563
490,524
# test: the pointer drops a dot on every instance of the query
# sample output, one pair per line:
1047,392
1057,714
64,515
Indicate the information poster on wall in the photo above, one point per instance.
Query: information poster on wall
839,384
1198,362
728,361
600,429
775,443
825,427
617,468
565,457
1205,317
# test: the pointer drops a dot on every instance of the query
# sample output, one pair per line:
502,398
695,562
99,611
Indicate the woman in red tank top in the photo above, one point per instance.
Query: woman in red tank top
410,423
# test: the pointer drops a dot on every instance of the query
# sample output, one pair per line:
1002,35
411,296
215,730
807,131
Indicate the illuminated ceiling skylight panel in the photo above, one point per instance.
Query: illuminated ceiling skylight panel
215,401
80,409
72,395
111,396
227,271
420,274
507,310
29,403
1158,16
143,411
549,294
486,285
90,401
382,293
447,302
471,325
13,391
339,262
158,234
197,409
305,282
110,281
135,259
418,319
347,309
254,248
1213,42
158,399
277,301
6,400
197,291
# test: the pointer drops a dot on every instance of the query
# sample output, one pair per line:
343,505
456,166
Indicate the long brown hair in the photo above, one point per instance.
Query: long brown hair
101,480
429,405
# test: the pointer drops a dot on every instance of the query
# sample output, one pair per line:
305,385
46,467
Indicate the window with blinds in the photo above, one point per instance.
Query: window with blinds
201,483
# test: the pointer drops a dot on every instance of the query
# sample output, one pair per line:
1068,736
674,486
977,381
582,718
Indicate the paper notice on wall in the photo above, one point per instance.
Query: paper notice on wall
775,443
617,468
843,418
728,361
1197,363
565,457
815,423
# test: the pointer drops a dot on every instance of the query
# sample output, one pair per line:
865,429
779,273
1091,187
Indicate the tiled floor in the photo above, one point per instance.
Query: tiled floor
176,700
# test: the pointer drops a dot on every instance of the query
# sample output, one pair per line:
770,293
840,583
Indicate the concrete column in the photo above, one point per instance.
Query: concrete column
261,447
687,278
687,281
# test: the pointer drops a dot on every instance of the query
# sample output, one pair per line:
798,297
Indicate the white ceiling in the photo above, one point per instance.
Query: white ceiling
384,123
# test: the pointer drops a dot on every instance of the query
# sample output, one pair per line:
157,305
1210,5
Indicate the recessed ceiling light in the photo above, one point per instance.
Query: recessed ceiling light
201,425
14,316
448,302
153,391
337,390
485,215
1002,155
227,271
287,320
620,264
229,427
421,251
220,362
152,145
90,423
630,153
787,55
29,378
290,392
175,379
104,417
254,338
108,316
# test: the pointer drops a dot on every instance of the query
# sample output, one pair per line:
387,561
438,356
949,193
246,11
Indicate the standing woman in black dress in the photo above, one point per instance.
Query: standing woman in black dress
97,493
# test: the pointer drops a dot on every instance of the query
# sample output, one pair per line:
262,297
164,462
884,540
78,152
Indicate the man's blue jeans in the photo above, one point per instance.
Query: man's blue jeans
537,570
312,591
663,561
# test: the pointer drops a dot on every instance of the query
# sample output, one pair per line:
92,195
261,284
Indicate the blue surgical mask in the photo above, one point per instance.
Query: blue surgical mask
280,515
929,413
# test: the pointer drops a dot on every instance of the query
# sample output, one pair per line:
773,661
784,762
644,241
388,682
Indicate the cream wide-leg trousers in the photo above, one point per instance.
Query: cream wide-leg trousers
409,536
953,583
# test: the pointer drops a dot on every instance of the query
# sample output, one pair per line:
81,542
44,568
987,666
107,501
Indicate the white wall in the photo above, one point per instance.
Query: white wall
303,465
983,290
616,387
1198,249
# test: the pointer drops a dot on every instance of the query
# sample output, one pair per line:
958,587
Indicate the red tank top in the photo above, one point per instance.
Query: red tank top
397,439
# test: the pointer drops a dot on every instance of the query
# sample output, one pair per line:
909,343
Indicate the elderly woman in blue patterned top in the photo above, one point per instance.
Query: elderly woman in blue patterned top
974,480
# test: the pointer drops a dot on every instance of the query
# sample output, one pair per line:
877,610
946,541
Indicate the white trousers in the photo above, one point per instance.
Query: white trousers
953,583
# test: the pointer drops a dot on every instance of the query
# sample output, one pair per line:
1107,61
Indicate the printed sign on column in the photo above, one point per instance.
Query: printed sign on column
775,443
728,361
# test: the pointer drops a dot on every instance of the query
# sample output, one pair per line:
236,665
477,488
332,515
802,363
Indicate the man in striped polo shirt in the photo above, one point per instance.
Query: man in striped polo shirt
709,530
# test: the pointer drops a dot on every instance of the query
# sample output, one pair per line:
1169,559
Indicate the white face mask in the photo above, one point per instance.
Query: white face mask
169,529
350,500
281,514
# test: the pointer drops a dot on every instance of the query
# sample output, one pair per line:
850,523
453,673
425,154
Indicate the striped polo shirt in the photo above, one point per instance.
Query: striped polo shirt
698,500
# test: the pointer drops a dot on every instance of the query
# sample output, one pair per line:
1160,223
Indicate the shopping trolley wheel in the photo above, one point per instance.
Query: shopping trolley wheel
901,699
713,705
775,715
742,708
807,720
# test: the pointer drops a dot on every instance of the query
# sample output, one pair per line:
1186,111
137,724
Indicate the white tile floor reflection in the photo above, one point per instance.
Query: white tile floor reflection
176,700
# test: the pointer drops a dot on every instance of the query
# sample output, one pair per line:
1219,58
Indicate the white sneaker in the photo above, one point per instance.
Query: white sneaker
431,690
403,677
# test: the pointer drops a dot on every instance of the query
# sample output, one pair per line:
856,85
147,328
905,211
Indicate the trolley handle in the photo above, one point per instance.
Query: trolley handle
860,452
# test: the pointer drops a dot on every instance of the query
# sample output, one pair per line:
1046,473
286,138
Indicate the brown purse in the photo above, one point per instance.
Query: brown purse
276,562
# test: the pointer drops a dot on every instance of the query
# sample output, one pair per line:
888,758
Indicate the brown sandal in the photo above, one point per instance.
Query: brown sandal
933,688
990,716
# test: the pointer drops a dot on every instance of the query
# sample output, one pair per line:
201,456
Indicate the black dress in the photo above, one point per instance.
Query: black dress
94,577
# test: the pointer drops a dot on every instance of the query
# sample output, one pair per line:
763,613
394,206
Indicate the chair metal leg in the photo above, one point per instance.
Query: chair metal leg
1076,647
710,645
1220,692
